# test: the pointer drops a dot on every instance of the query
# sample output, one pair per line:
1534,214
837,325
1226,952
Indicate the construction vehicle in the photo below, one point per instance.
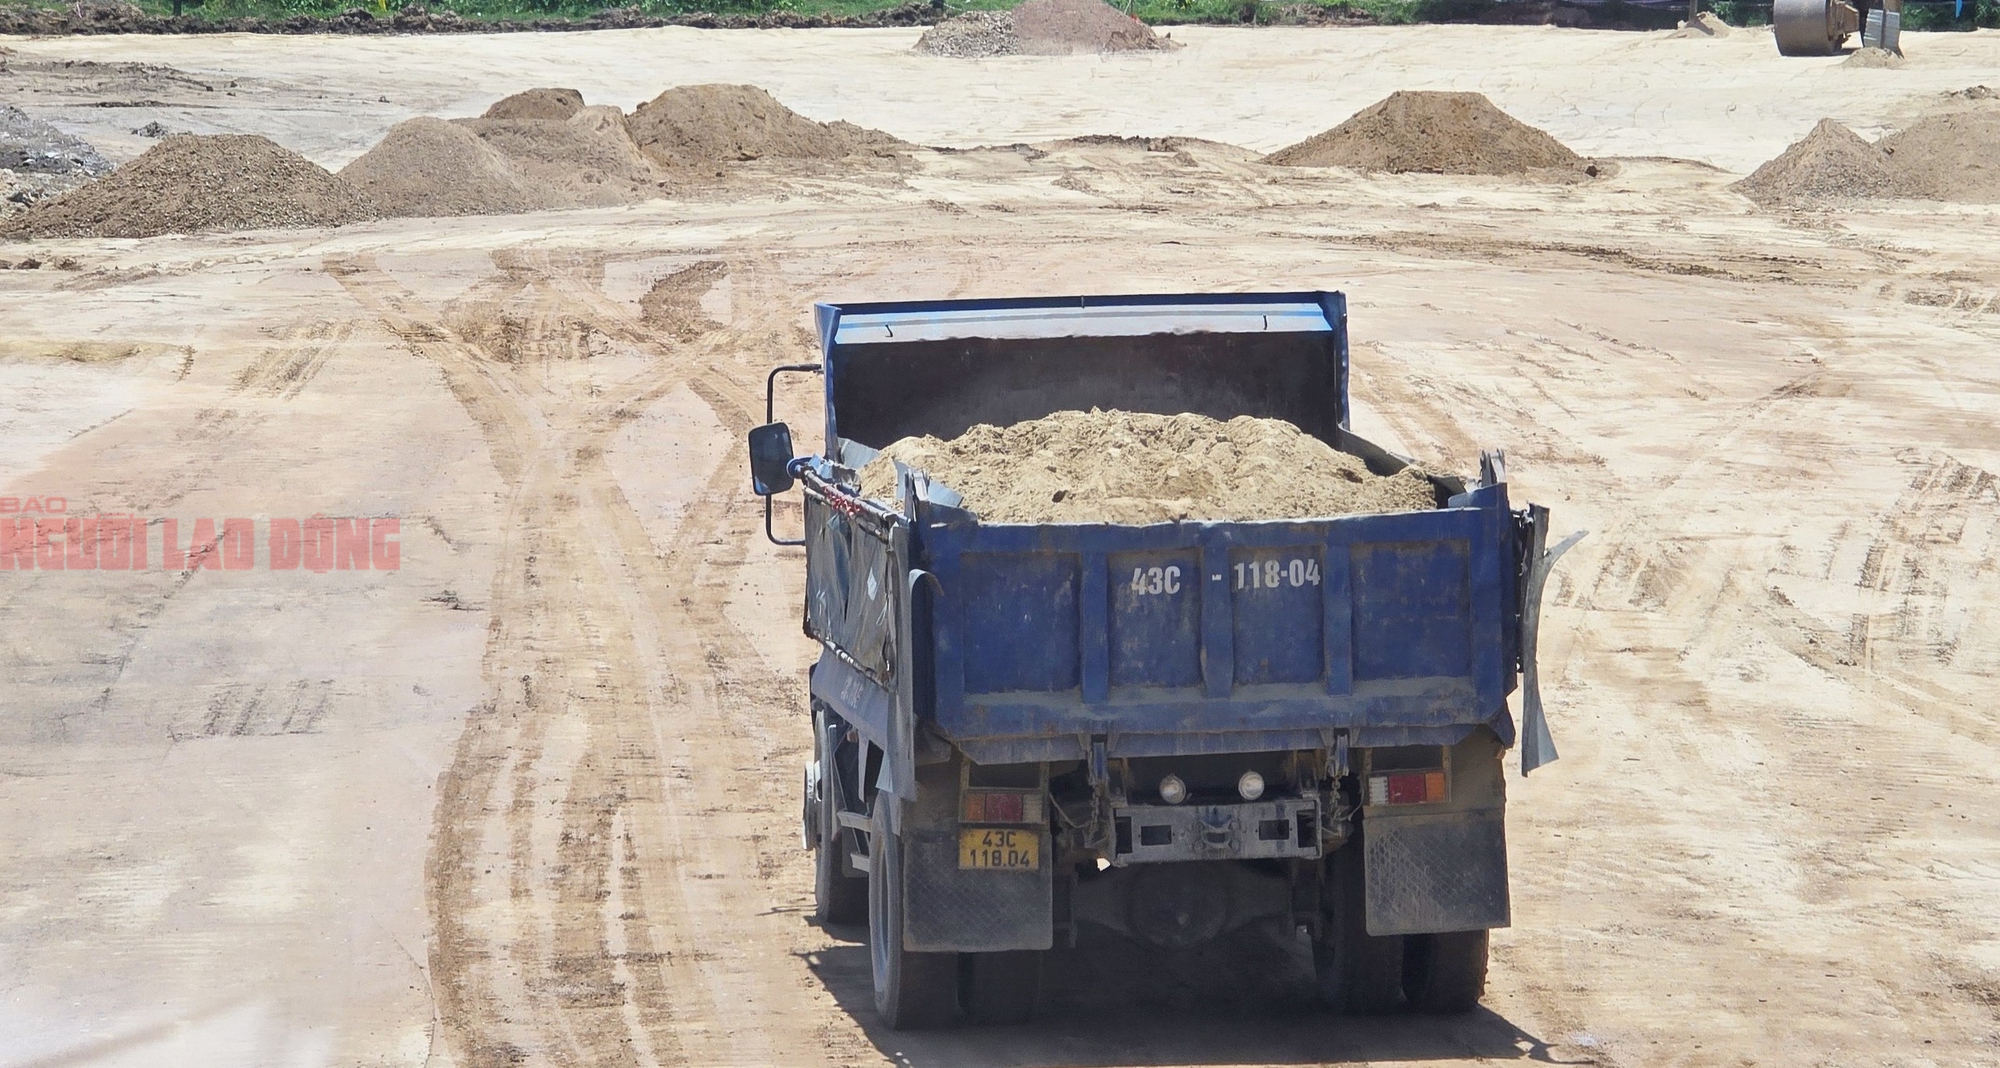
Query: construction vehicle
1822,27
1170,730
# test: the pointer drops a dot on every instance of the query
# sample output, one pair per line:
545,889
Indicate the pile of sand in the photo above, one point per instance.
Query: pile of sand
1952,157
1831,161
189,183
555,104
426,167
1947,157
1042,28
1433,133
531,151
1706,26
702,125
1873,57
1134,468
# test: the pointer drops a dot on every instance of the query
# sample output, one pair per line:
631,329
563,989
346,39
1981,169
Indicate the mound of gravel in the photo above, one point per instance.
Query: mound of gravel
1432,133
973,35
29,145
426,166
1134,468
1042,28
555,104
1830,162
702,125
189,183
1947,157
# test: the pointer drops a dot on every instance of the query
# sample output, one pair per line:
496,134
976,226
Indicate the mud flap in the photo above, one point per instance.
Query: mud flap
946,909
1439,872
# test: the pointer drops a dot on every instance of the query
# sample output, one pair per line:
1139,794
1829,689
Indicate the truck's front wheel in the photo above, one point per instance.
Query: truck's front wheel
912,990
1445,972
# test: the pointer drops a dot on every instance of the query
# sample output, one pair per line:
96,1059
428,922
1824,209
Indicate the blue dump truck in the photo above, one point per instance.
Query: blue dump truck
1170,730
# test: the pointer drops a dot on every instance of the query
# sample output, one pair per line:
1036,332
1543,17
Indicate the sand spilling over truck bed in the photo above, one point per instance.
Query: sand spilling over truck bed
1132,467
1434,133
190,184
1042,28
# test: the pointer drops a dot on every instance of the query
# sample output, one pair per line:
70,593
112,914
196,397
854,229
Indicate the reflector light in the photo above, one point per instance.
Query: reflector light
1172,790
1250,787
1407,788
994,806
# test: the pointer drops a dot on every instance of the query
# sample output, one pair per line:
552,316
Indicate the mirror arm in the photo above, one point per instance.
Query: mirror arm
771,385
770,416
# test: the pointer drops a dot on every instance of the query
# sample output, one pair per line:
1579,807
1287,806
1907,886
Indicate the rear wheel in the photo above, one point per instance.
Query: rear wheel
1445,972
1358,973
912,990
838,898
1001,988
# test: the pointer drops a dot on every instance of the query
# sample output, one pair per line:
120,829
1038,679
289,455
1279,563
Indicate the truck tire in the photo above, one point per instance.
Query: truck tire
838,897
1359,973
1001,988
1445,972
912,990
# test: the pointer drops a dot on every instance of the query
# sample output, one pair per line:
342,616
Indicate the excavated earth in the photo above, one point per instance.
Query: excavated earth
1435,133
525,790
1135,467
189,183
1042,28
1953,156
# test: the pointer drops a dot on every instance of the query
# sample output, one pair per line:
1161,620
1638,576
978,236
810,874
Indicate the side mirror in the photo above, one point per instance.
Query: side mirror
770,459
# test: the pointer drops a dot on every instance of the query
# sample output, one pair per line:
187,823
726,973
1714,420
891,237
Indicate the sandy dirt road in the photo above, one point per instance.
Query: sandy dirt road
529,798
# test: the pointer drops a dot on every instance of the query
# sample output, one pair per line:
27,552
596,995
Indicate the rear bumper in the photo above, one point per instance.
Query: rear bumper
1258,830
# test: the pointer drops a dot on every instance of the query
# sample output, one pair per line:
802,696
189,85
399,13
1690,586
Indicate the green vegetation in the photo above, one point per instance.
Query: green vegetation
1917,14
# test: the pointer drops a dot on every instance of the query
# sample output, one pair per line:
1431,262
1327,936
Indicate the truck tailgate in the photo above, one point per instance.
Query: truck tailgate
1192,637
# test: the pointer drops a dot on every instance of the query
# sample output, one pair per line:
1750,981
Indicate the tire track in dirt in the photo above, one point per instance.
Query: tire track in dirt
567,792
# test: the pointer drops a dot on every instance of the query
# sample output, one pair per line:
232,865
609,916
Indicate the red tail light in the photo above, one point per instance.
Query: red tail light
1000,806
1408,788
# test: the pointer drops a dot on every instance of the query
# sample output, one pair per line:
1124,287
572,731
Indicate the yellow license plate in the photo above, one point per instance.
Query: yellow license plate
992,850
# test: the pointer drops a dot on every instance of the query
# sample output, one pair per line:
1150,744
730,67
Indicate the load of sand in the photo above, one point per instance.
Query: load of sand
189,184
1433,133
1953,157
699,126
1042,28
1135,468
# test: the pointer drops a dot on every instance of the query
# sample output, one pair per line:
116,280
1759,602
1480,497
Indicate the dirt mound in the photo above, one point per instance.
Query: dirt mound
1831,161
189,183
1706,26
1081,27
589,160
1873,57
556,104
696,125
1042,28
1432,133
1947,157
428,166
1127,467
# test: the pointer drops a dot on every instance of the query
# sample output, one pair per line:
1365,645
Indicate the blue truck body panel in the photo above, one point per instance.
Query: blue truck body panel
1192,637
